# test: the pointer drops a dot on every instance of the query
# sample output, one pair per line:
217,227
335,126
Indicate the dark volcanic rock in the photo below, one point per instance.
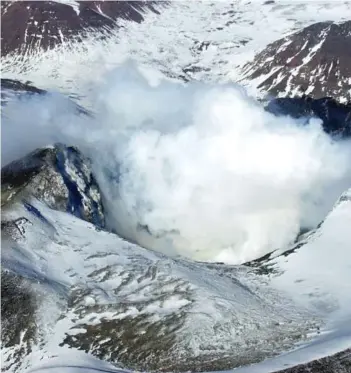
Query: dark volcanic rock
18,325
15,85
12,89
26,25
315,61
60,177
338,363
336,117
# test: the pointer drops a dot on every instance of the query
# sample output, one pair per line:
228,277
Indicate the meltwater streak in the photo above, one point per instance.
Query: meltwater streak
199,170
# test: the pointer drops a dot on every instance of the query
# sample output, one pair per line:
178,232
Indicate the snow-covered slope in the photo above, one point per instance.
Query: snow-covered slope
127,305
77,286
76,297
315,61
32,26
207,41
326,250
315,272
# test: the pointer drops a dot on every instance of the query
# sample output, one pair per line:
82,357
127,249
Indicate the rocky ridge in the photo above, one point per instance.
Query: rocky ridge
31,25
60,177
314,61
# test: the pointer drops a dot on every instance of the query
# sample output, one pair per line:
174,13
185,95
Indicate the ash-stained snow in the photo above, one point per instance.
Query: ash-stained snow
121,302
115,300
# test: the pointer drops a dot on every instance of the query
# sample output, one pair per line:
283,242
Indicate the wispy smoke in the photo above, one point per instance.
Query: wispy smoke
197,170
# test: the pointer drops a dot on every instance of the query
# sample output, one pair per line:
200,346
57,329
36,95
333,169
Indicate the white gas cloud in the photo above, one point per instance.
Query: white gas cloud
197,170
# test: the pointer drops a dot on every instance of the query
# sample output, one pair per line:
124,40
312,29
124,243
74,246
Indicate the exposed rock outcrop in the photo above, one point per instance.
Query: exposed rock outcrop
59,176
336,117
338,363
315,61
27,25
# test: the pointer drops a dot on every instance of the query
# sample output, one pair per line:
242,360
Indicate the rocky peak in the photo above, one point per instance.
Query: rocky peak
60,176
315,61
27,25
